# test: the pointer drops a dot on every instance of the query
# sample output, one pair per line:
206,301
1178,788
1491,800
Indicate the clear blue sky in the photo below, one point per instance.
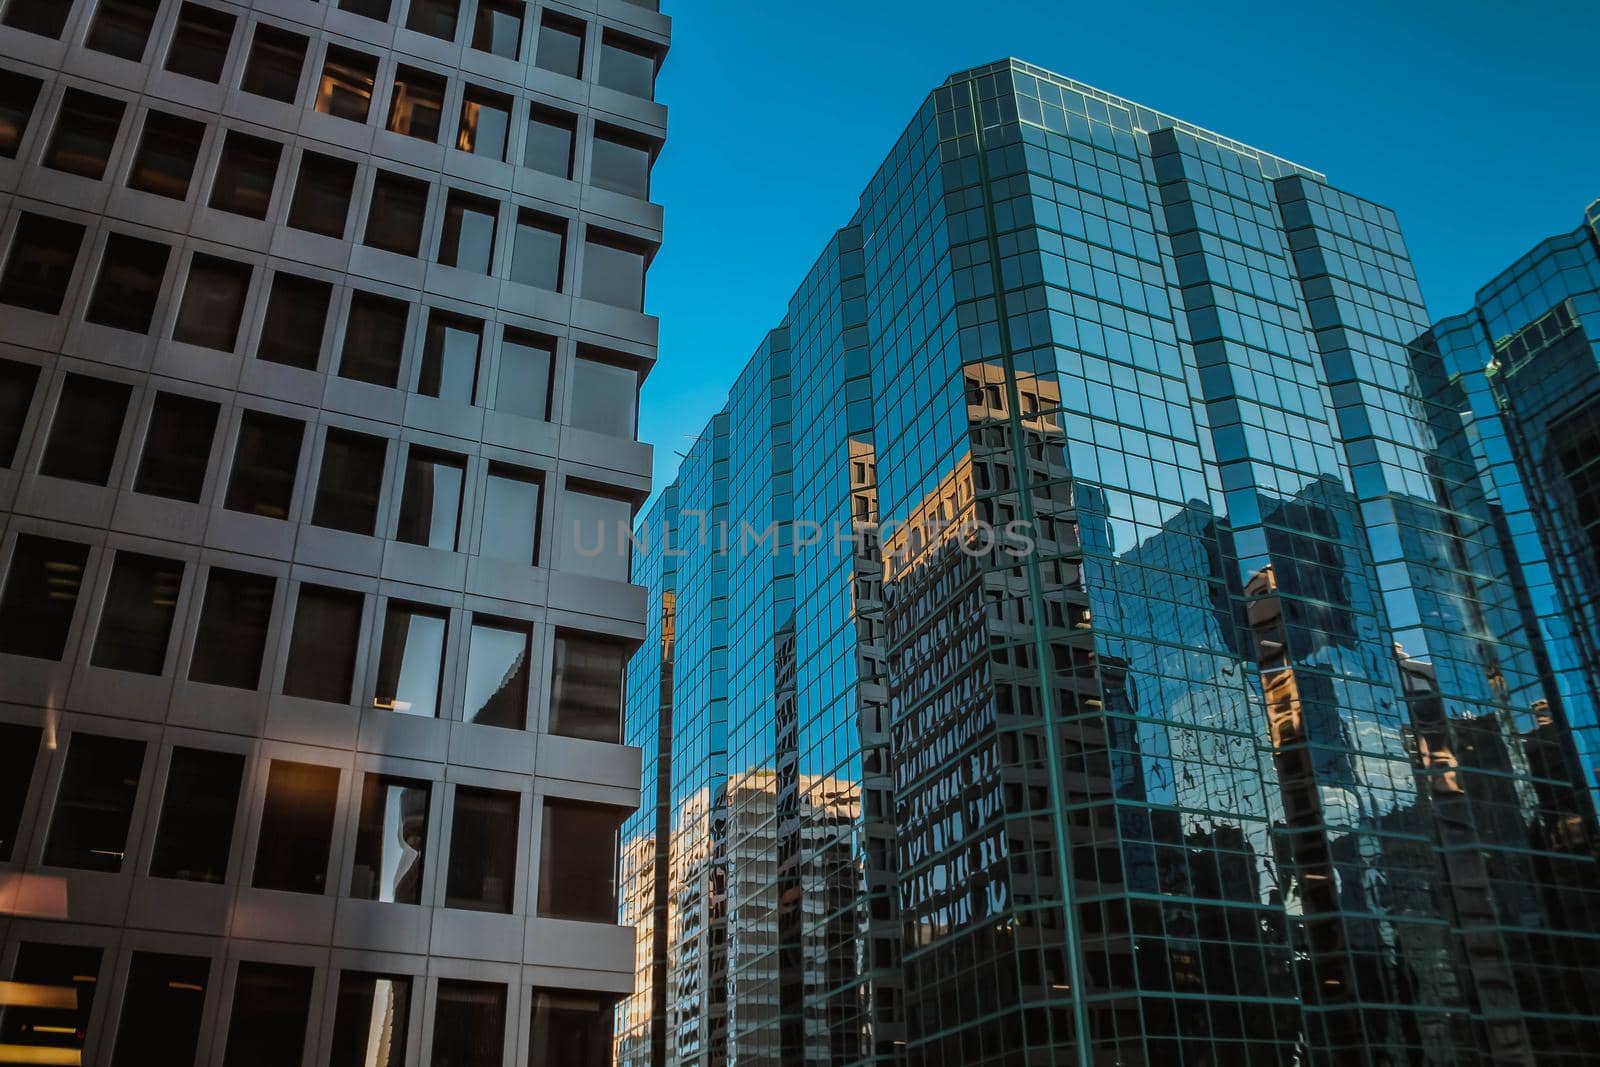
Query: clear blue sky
1478,121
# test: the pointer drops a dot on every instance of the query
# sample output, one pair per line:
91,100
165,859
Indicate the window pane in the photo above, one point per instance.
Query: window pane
323,646
592,531
436,18
372,9
197,816
136,622
168,149
373,1015
416,108
430,507
498,28
394,222
613,270
346,88
122,27
560,45
551,135
40,592
540,250
411,661
246,175
177,448
86,131
232,638
467,241
485,123
450,358
40,265
296,827
86,430
297,312
374,340
627,65
18,95
571,1028
483,851
200,44
351,482
322,194
605,396
94,803
276,59
391,840
511,516
264,465
213,303
19,751
586,694
497,673
17,383
578,861
621,162
70,967
131,273
47,18
469,1024
523,387
161,1010
271,1002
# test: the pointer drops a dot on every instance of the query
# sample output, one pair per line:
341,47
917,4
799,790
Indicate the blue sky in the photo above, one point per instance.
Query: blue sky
1478,121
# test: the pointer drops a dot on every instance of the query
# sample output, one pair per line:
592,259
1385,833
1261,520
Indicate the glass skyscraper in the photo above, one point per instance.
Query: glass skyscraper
1084,637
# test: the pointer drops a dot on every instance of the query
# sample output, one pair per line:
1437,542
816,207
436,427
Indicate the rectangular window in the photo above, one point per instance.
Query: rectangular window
605,393
322,648
549,145
394,221
497,673
467,241
43,253
592,533
18,95
131,273
213,303
271,1003
246,175
613,269
483,851
121,28
485,123
621,161
51,1031
351,482
430,505
19,751
47,18
232,638
297,313
17,383
523,386
177,447
86,430
498,28
200,44
578,861
540,252
416,108
86,131
40,593
587,690
372,9
321,201
391,840
560,45
197,816
168,149
296,827
511,515
411,661
371,1021
346,88
94,803
469,1024
374,340
136,622
627,65
265,462
161,1010
276,60
571,1028
450,358
436,18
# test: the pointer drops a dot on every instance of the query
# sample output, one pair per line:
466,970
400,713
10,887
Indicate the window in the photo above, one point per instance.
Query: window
273,68
621,162
411,661
213,303
85,432
19,751
43,254
131,273
372,9
168,149
351,482
232,637
586,694
551,136
417,107
246,175
161,1010
430,506
578,861
523,387
540,252
593,532
469,1024
200,44
450,358
374,339
40,593
571,1028
322,194
467,241
627,65
497,673
391,840
296,827
94,803
371,1020
436,18
483,851
53,1028
47,18
394,222
498,28
18,95
17,382
197,816
560,45
264,465
485,123
136,622
122,27
511,515
297,312
177,447
86,131
271,1003
613,269
322,649
347,79
605,393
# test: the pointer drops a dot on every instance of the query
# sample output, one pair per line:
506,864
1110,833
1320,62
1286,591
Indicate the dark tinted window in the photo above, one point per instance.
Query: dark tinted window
371,1021
511,515
131,272
43,253
86,131
197,816
232,637
168,149
267,1027
483,851
40,592
17,383
485,123
497,673
213,303
51,1032
437,18
605,394
322,649
122,27
586,696
469,1024
374,340
416,108
498,27
296,827
351,482
264,465
578,861
411,661
161,1010
18,95
560,45
346,88
297,313
246,175
86,429
430,506
571,1028
394,221
177,448
540,252
523,385
467,239
322,194
627,65
620,161
94,803
44,17
200,44
136,622
276,59
391,840
450,358
372,9
613,269
19,751
551,135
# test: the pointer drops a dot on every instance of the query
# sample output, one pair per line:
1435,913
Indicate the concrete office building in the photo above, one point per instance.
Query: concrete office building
321,326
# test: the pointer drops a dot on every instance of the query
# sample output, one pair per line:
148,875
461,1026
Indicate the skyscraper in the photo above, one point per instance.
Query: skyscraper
1080,639
321,332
